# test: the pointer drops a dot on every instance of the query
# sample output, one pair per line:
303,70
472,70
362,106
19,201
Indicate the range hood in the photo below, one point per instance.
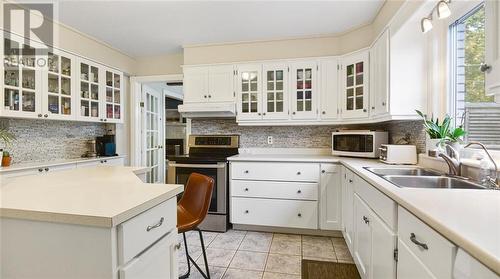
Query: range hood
208,110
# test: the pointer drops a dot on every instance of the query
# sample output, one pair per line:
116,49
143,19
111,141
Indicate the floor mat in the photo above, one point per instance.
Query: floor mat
328,270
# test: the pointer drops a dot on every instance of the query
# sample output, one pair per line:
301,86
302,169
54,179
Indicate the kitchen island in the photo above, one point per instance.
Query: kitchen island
100,222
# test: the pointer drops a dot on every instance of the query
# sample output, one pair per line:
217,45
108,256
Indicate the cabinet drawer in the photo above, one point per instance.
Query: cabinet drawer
438,255
275,171
136,234
330,168
159,261
277,213
383,206
274,189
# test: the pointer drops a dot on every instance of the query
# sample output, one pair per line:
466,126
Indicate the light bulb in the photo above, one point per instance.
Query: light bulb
443,10
426,24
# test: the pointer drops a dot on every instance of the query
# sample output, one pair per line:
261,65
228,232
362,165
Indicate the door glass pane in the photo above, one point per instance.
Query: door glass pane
359,102
84,90
117,81
53,63
94,110
350,104
53,83
109,95
84,71
65,86
253,107
117,96
84,108
29,79
11,76
11,99
117,112
244,107
279,106
94,74
65,66
29,101
300,105
65,105
109,78
53,105
109,111
270,106
94,92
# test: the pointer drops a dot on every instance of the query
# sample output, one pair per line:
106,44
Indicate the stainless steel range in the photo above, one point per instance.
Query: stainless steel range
208,155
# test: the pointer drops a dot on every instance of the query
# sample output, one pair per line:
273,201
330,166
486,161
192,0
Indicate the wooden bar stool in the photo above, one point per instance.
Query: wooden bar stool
191,211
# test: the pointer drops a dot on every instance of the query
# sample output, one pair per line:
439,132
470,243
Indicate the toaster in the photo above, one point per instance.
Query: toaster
395,154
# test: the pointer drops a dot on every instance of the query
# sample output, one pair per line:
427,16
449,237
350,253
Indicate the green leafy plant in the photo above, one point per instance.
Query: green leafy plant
6,154
6,136
443,130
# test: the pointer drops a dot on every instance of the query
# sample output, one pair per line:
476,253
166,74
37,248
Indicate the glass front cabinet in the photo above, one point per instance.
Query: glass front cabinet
21,80
249,90
275,92
90,85
304,90
113,103
58,89
354,80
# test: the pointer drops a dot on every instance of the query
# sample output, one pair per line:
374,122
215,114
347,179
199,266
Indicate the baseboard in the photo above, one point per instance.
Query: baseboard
287,230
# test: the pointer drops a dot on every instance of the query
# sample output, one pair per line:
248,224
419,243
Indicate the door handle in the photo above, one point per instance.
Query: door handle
413,239
152,227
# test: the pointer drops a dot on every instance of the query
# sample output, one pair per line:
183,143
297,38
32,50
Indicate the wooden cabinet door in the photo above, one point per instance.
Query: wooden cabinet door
379,76
409,266
304,90
384,240
362,237
329,109
354,79
221,83
21,79
348,206
249,96
275,91
330,197
195,84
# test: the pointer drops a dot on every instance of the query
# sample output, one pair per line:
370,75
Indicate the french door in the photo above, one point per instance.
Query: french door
153,155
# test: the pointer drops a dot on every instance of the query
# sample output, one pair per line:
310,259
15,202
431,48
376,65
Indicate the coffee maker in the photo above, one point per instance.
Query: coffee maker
106,145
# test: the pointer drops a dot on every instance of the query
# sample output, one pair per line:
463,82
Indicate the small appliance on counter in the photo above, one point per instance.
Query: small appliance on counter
358,143
395,154
92,152
105,145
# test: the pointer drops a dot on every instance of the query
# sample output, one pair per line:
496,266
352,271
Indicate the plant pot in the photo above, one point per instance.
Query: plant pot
6,161
432,144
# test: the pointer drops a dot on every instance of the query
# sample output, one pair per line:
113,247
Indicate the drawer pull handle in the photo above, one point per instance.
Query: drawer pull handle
246,189
323,171
298,173
246,211
246,171
350,180
155,225
178,246
299,191
367,221
300,215
413,239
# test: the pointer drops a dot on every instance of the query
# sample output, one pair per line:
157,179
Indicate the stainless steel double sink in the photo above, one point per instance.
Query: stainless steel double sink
413,177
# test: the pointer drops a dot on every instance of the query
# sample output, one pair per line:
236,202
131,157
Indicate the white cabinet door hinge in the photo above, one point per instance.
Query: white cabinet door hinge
396,255
141,104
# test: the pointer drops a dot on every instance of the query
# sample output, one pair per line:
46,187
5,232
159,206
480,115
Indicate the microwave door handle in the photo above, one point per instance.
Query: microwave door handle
205,166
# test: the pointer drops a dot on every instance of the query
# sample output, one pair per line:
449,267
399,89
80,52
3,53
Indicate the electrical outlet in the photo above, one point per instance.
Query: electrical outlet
269,139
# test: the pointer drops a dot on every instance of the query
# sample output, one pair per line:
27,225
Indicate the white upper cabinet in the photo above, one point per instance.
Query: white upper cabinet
21,80
304,91
209,84
354,79
379,76
59,90
113,98
249,90
492,62
275,96
329,89
89,84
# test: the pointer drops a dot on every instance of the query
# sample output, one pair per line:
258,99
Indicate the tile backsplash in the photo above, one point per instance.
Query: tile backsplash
304,136
42,140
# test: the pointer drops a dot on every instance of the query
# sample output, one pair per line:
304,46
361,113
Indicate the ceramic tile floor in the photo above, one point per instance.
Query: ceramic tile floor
248,255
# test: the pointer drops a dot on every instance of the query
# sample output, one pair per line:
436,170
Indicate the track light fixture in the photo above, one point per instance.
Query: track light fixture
443,11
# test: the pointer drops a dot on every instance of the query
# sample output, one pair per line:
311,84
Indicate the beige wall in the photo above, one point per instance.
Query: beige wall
293,48
160,65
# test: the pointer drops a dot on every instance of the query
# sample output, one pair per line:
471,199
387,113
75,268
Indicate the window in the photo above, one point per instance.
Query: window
469,105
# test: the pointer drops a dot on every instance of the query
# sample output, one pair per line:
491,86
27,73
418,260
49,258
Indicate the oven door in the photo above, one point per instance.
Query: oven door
179,174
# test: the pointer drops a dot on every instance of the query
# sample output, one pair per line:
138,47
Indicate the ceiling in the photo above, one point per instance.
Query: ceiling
148,28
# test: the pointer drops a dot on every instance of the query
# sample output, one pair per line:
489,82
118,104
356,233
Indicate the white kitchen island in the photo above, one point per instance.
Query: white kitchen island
100,222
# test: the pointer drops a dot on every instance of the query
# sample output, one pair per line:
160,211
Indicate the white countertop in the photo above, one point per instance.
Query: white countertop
102,196
33,165
469,218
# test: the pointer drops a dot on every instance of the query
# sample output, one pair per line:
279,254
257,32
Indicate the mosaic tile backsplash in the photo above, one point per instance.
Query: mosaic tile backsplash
42,140
304,136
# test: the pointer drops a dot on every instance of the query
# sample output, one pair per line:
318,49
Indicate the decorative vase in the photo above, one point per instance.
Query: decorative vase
433,144
6,161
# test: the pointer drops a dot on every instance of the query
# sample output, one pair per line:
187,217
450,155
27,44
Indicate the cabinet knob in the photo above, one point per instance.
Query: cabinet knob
485,67
323,112
383,104
293,113
46,169
298,173
364,110
105,161
299,191
350,180
105,120
246,171
39,115
263,113
246,211
205,96
246,189
209,96
300,214
40,170
259,113
323,171
373,107
46,115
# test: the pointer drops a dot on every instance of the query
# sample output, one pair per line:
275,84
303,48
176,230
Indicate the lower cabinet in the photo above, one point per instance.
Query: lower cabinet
330,197
347,179
409,266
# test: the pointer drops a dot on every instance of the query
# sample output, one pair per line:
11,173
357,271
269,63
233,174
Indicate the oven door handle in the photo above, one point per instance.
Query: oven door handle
206,166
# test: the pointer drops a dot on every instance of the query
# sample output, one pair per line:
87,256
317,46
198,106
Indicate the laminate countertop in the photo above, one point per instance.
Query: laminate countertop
469,218
102,196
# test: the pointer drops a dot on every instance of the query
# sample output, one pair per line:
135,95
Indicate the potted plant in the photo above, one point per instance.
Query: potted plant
440,133
7,138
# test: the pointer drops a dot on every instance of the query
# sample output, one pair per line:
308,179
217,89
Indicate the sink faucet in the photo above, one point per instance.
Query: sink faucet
452,158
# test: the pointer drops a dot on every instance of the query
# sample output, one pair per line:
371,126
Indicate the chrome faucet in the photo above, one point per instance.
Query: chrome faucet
452,158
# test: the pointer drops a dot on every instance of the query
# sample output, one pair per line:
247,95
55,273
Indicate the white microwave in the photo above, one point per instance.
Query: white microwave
356,143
